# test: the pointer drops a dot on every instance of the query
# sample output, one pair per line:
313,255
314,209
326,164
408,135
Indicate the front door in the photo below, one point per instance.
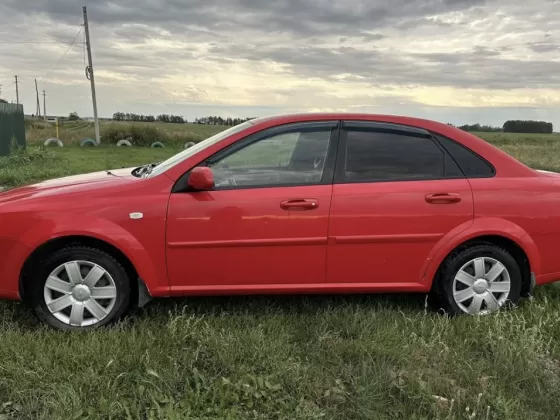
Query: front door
265,224
397,193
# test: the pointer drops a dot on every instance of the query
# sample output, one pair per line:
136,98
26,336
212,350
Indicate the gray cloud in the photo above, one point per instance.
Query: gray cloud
543,47
307,17
460,44
477,68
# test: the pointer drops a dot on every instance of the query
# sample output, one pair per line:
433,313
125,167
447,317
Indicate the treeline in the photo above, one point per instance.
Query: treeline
512,126
220,121
478,127
167,118
528,126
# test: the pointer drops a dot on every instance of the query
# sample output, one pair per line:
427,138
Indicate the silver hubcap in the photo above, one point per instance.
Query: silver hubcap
481,286
80,293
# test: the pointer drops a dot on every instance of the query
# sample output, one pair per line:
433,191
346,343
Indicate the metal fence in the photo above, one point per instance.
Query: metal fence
12,127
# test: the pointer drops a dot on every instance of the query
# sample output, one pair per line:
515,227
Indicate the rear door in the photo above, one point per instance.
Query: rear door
396,194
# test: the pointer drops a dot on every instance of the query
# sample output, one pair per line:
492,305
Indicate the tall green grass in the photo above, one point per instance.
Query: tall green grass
541,151
299,357
141,133
353,357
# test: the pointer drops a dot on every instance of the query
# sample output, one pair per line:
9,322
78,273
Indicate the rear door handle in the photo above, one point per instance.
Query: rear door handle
443,198
299,204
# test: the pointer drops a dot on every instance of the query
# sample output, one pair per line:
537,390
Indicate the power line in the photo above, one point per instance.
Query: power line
46,77
32,42
49,37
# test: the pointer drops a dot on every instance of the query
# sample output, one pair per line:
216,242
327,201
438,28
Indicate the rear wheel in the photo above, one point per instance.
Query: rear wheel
477,280
80,288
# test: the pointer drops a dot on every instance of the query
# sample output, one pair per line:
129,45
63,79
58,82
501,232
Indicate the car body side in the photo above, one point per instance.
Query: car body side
517,203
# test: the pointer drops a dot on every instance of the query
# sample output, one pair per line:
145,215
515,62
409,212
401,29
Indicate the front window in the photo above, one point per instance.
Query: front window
179,157
290,158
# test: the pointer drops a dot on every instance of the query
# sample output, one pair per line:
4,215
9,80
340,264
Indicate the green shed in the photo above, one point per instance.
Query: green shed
12,127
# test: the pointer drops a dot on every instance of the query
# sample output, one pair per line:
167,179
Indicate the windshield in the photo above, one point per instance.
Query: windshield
179,157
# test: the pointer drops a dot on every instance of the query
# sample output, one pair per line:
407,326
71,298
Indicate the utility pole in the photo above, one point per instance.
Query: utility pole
38,103
17,91
89,75
44,105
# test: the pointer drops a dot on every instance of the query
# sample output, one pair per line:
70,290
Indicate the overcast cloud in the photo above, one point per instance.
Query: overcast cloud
455,61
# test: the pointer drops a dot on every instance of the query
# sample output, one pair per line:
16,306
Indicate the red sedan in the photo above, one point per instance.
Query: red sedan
311,203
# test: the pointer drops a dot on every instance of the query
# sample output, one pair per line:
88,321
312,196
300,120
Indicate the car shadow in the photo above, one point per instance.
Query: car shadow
300,304
14,314
19,315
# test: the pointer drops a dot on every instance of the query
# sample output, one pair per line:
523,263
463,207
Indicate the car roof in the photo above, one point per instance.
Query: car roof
314,116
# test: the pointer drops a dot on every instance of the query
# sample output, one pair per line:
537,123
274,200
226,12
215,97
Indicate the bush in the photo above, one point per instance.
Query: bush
140,135
23,166
179,139
21,157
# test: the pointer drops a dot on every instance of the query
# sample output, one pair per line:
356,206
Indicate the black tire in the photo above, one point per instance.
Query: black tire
74,253
441,296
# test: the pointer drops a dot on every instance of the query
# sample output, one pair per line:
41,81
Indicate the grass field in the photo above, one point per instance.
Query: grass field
319,357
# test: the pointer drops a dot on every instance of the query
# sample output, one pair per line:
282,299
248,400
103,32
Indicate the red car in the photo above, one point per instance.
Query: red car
311,203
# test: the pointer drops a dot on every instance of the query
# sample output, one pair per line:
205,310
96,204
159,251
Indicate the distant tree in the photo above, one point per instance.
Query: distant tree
215,120
176,119
479,128
3,101
73,116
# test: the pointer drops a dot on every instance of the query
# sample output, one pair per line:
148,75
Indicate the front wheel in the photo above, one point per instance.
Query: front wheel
80,288
478,280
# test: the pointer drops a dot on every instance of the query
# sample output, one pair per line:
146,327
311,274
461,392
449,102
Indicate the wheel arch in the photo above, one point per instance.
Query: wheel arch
138,286
514,247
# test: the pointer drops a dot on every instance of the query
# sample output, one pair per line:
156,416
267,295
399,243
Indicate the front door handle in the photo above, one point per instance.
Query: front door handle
299,204
443,198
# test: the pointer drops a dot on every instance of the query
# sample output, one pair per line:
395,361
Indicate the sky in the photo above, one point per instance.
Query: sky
454,61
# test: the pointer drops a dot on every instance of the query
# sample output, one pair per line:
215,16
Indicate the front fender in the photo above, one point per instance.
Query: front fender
47,227
483,226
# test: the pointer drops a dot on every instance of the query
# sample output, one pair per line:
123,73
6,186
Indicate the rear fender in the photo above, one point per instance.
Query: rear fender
484,226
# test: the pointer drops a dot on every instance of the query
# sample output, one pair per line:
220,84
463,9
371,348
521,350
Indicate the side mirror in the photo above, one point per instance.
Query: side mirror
201,178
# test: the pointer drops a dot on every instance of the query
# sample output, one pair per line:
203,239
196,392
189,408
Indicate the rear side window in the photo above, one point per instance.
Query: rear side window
373,155
472,165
